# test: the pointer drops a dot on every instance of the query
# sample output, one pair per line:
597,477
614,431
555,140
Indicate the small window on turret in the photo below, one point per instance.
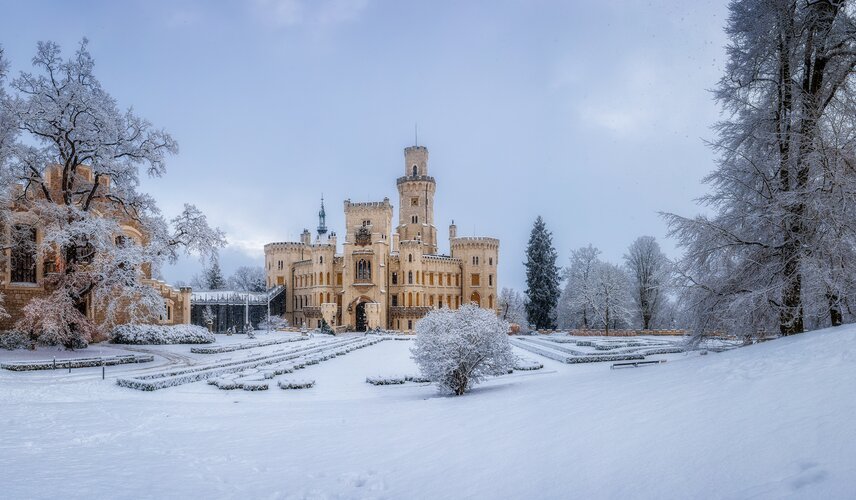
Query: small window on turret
415,171
414,202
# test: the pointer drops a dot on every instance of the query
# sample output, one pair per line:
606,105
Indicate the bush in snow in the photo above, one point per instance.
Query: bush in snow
274,323
457,349
386,380
295,384
15,340
160,334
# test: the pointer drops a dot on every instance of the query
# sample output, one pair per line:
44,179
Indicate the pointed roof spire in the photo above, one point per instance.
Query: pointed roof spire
322,219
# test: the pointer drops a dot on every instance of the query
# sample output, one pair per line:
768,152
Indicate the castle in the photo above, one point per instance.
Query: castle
385,277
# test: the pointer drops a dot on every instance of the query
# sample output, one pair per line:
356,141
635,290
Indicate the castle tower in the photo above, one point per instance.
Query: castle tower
416,200
479,260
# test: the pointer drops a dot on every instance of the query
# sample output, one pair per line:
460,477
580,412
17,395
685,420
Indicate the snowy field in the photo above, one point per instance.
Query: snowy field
768,421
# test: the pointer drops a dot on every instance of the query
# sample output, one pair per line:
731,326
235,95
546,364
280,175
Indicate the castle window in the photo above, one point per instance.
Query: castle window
410,324
394,300
476,279
414,202
475,299
24,254
328,279
414,219
394,278
409,277
490,261
321,259
415,171
410,257
475,261
409,299
364,270
490,280
431,279
339,279
279,266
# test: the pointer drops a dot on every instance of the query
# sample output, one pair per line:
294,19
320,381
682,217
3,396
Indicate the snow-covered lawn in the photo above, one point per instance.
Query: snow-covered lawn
768,421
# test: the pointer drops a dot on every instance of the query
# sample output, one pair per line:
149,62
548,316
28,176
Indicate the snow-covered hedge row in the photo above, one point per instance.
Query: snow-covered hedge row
296,356
161,334
188,375
220,349
553,346
49,364
552,353
295,384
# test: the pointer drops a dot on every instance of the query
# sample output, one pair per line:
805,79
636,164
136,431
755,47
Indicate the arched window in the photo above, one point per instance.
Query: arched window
364,270
328,279
320,278
415,170
475,298
320,298
410,257
409,277
490,261
321,259
409,299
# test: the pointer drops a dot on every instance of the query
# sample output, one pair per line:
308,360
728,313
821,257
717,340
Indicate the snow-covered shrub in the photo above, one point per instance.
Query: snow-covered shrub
254,385
295,384
15,340
386,380
525,364
55,320
457,349
417,379
160,334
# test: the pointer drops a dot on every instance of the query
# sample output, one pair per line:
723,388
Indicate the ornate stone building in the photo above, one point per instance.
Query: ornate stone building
386,276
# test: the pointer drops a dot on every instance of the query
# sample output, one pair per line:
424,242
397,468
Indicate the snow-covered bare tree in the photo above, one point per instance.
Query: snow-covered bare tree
542,277
611,299
512,306
8,136
778,243
576,304
213,276
76,173
648,269
458,349
248,279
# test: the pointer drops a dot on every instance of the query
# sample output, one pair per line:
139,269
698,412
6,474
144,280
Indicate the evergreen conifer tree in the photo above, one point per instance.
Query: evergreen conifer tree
542,278
214,277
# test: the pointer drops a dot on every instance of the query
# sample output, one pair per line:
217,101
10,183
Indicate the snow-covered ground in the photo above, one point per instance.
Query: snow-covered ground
767,421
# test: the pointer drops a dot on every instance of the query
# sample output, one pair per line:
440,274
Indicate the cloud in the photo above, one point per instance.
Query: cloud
284,13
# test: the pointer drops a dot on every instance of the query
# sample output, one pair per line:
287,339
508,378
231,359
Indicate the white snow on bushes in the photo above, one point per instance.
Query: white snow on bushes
160,334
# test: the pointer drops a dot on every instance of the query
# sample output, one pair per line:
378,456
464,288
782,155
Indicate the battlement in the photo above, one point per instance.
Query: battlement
415,178
368,204
442,258
474,241
284,245
415,148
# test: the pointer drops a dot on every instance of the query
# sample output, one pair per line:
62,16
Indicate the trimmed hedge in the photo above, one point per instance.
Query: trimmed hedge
160,334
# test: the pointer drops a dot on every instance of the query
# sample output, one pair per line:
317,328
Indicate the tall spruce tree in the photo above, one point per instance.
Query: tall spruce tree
214,277
542,278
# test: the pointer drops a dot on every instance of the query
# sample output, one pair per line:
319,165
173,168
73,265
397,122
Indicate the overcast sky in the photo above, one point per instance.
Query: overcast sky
591,114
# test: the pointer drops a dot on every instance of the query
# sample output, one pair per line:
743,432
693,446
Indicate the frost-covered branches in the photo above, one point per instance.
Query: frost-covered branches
76,181
458,349
576,304
647,267
775,253
512,306
248,279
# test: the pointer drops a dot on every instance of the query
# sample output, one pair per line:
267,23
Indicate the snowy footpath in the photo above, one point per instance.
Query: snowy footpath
775,420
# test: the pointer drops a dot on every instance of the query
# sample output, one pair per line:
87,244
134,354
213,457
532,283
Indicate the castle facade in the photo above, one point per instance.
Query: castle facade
386,276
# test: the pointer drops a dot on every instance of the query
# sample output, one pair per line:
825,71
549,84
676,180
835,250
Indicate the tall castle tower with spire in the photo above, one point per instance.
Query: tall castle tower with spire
386,276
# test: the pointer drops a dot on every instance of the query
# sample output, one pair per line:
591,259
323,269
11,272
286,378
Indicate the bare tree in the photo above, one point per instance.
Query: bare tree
647,266
512,306
248,279
576,304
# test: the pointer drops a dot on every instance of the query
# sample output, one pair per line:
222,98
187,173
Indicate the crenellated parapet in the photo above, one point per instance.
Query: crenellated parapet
476,242
371,205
